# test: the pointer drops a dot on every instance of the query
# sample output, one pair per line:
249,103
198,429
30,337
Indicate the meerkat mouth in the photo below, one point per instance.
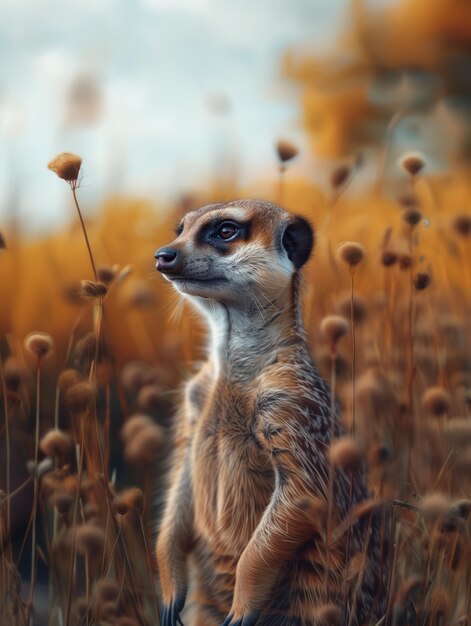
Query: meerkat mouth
185,281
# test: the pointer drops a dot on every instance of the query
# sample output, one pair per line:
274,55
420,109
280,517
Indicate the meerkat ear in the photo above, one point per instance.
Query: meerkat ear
298,241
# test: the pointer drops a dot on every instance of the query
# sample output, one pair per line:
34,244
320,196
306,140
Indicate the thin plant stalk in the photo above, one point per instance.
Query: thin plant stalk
7,437
36,495
84,230
352,323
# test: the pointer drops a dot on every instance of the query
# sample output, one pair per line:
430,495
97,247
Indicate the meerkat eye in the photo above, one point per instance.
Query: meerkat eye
228,231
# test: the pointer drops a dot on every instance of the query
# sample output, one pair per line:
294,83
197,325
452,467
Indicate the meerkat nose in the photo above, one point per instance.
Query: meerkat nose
167,259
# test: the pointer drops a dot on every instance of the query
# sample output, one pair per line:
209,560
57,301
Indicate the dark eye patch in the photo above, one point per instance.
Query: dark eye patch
208,233
179,229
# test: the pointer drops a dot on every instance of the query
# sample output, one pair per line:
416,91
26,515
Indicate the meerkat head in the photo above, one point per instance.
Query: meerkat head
234,252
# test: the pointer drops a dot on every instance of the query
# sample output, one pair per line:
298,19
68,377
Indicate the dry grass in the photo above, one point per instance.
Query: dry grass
115,359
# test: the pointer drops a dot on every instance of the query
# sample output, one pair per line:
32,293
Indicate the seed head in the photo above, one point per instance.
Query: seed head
107,274
351,253
91,290
344,307
412,216
434,506
62,501
134,425
68,378
379,454
345,454
90,539
461,509
80,397
405,261
133,375
12,373
40,345
67,166
436,401
127,500
91,347
149,398
145,446
56,444
106,590
339,176
421,281
286,150
388,258
412,163
462,225
334,327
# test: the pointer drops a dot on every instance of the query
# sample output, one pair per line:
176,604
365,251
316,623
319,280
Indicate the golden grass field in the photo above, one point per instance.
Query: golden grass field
91,370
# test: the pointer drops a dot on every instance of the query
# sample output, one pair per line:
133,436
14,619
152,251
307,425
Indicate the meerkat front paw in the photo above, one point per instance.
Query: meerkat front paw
171,612
244,620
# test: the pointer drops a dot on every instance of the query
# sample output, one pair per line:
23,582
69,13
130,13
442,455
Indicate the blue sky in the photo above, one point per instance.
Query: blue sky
158,65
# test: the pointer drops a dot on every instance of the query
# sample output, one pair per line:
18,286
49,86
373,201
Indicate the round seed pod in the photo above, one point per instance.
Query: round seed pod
133,425
413,163
436,401
334,327
434,506
92,290
66,165
345,454
351,253
286,150
133,375
412,216
145,446
127,500
339,176
13,374
149,398
57,445
62,501
106,273
106,590
388,258
80,397
421,281
360,310
462,225
90,539
67,379
40,345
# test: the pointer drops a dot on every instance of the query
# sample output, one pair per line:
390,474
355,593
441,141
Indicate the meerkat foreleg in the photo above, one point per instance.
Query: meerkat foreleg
174,544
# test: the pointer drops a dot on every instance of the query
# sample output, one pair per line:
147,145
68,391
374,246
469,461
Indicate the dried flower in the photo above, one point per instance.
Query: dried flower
351,253
434,506
40,345
68,378
334,327
62,501
405,261
67,166
149,398
80,397
462,225
388,258
346,454
127,500
107,274
412,216
412,163
339,176
344,307
134,425
91,290
56,444
286,150
436,401
90,539
421,281
145,446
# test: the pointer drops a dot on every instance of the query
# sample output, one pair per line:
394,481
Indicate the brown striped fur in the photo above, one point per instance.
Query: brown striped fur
244,529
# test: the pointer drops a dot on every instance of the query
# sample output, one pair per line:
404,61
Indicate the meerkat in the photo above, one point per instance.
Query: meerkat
242,540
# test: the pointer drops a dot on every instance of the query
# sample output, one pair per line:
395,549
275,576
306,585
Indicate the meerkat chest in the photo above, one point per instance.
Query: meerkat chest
232,474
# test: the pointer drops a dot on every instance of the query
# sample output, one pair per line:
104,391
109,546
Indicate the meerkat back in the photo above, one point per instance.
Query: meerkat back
257,528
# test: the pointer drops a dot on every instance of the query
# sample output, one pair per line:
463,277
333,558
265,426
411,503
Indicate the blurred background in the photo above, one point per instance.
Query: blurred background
172,104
